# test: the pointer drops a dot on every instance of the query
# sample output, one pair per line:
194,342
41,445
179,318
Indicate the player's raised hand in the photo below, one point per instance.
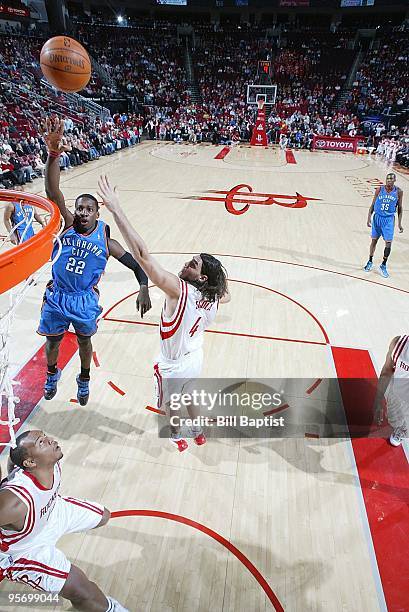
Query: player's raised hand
52,132
108,194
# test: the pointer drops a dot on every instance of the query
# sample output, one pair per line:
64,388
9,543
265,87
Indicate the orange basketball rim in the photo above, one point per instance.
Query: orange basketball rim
19,262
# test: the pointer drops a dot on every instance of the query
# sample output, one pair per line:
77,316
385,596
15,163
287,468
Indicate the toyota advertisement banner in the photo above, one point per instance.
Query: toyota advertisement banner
329,143
11,10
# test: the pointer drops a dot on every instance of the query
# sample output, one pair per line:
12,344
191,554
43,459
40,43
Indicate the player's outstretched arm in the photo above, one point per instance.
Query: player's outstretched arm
52,133
168,282
383,382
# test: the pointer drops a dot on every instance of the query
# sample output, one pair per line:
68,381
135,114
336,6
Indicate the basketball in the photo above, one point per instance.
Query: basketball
65,64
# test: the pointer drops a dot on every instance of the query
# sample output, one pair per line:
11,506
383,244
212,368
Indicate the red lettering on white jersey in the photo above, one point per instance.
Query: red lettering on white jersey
204,304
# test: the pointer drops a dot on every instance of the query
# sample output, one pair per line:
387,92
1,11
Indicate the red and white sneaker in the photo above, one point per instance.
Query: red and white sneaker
200,439
180,443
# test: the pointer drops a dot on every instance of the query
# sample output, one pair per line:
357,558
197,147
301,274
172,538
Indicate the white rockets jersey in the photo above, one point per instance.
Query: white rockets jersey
40,503
182,333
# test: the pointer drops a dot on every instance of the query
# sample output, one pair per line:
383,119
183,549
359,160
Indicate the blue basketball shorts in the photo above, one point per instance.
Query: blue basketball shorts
383,226
60,309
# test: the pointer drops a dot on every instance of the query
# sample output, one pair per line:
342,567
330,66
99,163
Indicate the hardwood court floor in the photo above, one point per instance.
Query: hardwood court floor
293,508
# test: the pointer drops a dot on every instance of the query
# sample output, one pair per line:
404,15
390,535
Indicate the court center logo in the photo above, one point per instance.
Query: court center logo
238,199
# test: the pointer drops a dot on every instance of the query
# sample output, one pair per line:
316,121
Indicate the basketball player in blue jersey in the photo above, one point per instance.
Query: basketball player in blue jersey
71,297
19,217
387,200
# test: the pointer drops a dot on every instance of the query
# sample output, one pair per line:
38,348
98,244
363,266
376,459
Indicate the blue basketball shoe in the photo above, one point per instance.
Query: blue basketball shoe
368,266
83,390
384,271
50,386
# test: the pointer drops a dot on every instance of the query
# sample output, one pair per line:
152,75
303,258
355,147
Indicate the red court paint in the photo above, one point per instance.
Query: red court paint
115,388
383,474
232,197
289,157
31,378
95,358
314,386
222,154
152,409
216,536
73,401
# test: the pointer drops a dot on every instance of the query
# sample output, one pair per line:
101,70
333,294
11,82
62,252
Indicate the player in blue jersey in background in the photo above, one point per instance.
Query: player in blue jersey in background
387,200
21,217
71,297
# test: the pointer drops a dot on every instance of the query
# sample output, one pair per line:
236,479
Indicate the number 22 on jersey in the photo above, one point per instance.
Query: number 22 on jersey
74,265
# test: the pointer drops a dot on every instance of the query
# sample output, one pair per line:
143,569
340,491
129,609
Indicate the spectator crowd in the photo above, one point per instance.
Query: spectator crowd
25,102
152,65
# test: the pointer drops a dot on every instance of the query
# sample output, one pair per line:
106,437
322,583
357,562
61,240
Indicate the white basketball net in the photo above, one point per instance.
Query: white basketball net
16,296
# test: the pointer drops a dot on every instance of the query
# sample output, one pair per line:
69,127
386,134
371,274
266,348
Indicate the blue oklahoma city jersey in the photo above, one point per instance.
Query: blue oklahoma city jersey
82,261
386,202
24,214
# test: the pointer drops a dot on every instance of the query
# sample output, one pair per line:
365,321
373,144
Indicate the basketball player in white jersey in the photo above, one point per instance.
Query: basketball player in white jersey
393,386
34,515
191,303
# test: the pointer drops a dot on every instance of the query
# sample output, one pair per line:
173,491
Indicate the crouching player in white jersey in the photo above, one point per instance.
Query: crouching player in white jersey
34,516
393,386
191,303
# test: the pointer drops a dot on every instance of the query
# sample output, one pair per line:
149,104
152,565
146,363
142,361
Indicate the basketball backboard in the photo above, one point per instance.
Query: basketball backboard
261,92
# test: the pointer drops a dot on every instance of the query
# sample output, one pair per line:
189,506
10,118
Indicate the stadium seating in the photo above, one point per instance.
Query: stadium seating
148,64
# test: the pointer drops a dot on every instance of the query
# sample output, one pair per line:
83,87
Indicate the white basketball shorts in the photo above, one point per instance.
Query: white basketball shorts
176,377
